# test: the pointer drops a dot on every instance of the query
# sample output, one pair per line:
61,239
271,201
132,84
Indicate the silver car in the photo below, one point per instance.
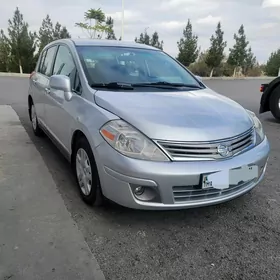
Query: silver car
139,129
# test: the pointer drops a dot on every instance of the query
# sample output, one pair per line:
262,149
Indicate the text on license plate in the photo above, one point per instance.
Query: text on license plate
223,179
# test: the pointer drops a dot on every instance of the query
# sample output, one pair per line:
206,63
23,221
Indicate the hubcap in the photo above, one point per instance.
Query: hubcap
83,170
33,117
279,103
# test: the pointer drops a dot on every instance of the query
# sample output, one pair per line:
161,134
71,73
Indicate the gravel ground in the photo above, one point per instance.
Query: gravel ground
236,240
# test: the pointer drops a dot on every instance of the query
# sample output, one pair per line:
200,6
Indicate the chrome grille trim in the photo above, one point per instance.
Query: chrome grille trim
182,151
183,194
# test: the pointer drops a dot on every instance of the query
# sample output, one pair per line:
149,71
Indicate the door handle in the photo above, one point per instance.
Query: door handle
47,90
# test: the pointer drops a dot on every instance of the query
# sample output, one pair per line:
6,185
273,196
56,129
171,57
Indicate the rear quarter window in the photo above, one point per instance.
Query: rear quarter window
41,61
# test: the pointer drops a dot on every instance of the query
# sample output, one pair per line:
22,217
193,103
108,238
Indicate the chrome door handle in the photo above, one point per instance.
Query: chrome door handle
47,90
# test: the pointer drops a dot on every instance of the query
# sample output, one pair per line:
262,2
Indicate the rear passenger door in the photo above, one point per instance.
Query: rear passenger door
40,83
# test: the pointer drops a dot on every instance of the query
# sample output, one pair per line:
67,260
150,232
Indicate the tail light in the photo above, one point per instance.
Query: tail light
262,88
32,74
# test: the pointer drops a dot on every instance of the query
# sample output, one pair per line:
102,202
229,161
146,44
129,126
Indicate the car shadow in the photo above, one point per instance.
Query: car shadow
272,120
268,117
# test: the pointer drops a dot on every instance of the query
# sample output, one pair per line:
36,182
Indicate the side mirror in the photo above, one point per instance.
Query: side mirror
199,78
62,82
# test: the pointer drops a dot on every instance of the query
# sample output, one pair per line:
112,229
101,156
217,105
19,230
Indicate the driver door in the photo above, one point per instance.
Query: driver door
60,114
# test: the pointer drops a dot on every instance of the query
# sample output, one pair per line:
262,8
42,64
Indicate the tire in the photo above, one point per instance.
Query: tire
34,121
274,103
88,182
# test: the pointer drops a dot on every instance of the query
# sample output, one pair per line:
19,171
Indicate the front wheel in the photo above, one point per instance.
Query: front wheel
86,173
274,103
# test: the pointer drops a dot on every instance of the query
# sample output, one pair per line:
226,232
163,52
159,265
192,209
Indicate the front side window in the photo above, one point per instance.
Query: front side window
64,65
131,65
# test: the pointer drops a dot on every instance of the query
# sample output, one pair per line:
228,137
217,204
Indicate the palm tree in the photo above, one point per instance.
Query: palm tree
99,23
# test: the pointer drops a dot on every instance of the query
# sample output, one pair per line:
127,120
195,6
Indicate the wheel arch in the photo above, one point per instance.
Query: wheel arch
75,137
77,134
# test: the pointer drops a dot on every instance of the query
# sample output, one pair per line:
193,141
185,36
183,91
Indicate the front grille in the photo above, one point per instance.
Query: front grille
183,194
208,150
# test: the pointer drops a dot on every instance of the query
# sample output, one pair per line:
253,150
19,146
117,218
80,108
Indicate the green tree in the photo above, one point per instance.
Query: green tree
273,64
188,49
153,40
215,53
199,67
238,53
110,32
22,44
63,32
45,33
5,52
250,61
144,38
49,33
94,25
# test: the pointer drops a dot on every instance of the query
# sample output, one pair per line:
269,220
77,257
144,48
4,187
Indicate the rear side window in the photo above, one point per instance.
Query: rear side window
47,62
41,61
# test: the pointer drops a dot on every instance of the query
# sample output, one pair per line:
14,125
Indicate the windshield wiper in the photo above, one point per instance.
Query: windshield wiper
113,85
155,84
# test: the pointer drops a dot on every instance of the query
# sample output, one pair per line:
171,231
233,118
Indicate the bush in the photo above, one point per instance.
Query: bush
273,64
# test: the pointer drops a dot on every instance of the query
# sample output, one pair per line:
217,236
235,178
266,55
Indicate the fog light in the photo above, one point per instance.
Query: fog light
145,193
139,190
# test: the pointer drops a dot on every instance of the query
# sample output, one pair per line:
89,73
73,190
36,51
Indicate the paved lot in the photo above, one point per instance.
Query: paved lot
36,241
236,240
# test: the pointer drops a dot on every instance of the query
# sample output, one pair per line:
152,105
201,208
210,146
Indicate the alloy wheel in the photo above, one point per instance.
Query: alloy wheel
33,117
84,171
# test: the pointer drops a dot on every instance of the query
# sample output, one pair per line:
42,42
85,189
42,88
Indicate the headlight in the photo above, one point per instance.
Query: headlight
258,127
130,142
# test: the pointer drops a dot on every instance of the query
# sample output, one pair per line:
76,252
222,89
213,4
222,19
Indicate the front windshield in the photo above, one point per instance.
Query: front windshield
131,65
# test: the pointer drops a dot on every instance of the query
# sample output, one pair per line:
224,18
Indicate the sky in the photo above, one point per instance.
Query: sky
261,19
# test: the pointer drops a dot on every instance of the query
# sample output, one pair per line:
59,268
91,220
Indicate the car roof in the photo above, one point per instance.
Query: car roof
105,43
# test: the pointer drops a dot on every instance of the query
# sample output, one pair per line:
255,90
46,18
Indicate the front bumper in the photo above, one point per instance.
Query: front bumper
118,174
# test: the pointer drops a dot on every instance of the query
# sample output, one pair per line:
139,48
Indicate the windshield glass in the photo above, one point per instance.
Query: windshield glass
131,65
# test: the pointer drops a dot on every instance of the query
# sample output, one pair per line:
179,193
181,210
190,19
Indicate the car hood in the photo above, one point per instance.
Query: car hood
198,115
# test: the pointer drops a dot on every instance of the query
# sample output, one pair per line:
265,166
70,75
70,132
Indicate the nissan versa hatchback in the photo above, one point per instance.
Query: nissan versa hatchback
139,129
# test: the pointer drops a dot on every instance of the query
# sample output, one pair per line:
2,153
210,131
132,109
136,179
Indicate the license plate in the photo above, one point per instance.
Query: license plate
223,179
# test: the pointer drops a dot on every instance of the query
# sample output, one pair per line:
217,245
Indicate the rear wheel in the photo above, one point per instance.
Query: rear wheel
86,173
34,120
274,103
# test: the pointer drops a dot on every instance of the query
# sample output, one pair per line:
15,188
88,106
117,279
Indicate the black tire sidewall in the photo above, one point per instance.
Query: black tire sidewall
95,196
37,131
274,103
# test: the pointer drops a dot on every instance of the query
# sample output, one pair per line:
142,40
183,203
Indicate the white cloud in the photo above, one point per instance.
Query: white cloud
130,15
270,3
175,3
167,17
269,25
172,25
209,20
